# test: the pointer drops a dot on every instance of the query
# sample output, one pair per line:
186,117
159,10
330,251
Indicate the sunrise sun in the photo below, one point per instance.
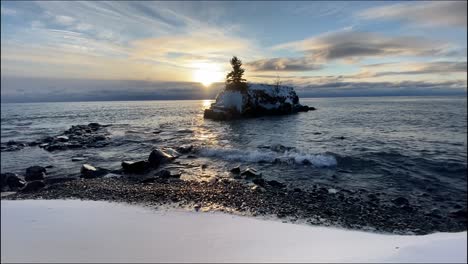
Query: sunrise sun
207,73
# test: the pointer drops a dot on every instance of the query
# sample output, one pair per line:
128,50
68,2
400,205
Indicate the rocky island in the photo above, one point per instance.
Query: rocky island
240,99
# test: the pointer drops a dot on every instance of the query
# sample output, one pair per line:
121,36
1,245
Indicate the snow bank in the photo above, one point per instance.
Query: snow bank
78,231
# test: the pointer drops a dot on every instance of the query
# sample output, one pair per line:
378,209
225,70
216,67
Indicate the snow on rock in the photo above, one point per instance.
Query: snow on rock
258,100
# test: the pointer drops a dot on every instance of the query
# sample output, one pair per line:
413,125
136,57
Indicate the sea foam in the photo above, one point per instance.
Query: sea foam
289,157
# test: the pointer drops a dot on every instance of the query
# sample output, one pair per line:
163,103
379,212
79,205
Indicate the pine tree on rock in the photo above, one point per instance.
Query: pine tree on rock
234,80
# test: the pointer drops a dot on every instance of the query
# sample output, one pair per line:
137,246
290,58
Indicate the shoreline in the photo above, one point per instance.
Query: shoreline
90,231
317,207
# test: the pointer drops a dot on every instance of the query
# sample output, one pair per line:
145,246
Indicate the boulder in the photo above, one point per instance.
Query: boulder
276,184
158,157
165,174
137,167
400,201
35,173
250,173
185,149
260,182
62,138
236,170
33,186
89,171
11,182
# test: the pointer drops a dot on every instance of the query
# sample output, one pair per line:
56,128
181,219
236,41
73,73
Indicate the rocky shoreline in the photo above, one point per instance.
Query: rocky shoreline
245,191
321,206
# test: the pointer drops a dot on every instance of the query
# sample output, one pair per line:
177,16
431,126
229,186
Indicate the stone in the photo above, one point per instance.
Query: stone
78,159
250,173
260,182
164,174
276,184
58,179
158,157
62,138
185,149
33,186
35,173
400,201
236,170
137,167
88,171
11,182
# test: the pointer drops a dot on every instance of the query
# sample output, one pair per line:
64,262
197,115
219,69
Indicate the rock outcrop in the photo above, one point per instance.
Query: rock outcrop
257,100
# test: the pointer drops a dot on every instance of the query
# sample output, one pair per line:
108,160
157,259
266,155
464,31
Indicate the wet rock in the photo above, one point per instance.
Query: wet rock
165,174
11,182
276,184
280,148
185,149
458,214
33,186
250,173
136,167
78,159
49,166
158,157
204,166
35,173
236,170
197,207
259,182
94,125
62,138
88,171
400,201
297,190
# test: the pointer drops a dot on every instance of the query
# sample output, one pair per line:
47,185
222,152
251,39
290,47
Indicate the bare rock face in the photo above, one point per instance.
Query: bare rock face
35,173
257,100
158,157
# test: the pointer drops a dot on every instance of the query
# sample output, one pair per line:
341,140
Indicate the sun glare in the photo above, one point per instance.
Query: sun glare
207,73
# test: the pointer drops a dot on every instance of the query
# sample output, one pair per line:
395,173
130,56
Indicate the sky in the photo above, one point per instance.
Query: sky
80,51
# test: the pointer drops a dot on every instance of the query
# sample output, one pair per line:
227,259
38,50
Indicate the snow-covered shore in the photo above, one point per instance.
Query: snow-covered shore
78,231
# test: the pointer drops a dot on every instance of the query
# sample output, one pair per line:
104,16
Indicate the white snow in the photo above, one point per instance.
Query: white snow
230,99
84,231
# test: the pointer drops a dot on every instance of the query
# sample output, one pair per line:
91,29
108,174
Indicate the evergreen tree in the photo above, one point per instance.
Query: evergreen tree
234,80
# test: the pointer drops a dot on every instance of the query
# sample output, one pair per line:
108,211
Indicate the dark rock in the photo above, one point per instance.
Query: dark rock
11,181
158,157
62,138
306,162
49,166
78,159
48,139
236,170
260,182
297,190
33,186
458,214
311,108
250,173
204,166
191,157
94,125
164,174
184,149
35,173
136,167
58,179
342,137
88,171
400,201
276,184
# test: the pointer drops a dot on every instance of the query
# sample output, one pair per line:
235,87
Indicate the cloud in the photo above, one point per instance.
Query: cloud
64,20
284,64
355,45
441,67
8,11
20,89
403,88
426,14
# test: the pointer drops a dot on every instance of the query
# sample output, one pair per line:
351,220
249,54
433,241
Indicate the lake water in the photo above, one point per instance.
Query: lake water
410,146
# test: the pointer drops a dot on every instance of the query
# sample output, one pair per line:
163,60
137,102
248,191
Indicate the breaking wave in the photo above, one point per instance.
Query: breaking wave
288,157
